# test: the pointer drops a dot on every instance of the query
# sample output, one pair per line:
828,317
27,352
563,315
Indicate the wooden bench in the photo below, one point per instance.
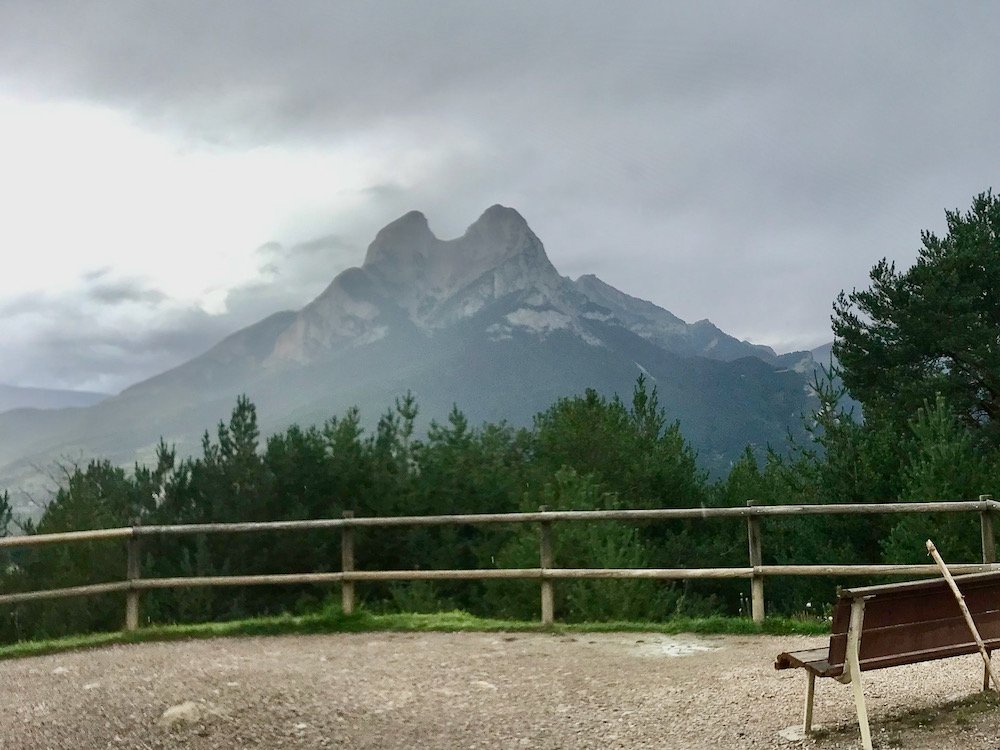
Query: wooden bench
900,623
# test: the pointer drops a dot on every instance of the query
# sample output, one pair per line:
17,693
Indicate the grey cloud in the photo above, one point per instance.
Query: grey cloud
386,192
70,341
12,307
118,292
270,248
742,162
97,288
328,244
288,277
96,274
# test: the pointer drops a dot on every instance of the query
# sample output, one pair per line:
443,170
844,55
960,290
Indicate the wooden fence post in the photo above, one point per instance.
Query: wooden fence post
133,571
347,564
546,558
756,580
986,529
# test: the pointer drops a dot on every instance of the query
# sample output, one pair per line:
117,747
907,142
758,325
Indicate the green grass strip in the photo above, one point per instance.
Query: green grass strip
366,622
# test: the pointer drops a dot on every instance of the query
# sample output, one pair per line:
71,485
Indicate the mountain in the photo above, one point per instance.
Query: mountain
824,355
13,397
484,321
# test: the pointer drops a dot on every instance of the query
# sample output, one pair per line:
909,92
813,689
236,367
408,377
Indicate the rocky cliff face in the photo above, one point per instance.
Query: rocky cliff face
412,280
497,255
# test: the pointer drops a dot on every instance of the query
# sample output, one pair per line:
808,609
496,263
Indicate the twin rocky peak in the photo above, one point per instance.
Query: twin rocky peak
496,274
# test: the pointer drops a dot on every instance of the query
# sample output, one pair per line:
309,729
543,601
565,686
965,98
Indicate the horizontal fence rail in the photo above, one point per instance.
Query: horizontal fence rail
658,514
546,574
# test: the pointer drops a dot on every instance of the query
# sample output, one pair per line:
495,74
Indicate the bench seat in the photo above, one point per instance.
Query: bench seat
814,659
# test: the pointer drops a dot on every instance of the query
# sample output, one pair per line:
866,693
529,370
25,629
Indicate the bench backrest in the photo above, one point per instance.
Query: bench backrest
918,621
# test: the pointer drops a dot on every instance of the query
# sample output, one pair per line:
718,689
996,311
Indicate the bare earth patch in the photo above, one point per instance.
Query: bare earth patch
472,690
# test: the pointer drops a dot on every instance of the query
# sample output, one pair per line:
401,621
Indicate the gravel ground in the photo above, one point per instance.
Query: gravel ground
476,690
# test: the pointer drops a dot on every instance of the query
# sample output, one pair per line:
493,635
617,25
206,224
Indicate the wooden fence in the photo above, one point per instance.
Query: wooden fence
546,573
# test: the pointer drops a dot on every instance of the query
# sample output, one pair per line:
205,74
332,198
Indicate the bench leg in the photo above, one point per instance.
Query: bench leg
854,665
807,714
859,702
986,672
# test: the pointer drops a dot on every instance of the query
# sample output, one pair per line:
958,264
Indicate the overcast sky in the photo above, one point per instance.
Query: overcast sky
172,171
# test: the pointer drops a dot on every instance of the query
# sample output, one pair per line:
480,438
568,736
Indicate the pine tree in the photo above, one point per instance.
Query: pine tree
932,329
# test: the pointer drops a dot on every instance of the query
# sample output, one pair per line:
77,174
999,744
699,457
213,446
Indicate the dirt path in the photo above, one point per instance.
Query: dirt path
434,690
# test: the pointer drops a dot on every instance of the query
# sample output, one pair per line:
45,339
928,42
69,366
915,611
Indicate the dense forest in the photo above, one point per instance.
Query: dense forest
919,349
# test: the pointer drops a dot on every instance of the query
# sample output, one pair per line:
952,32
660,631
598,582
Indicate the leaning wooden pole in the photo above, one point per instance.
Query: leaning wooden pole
932,551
